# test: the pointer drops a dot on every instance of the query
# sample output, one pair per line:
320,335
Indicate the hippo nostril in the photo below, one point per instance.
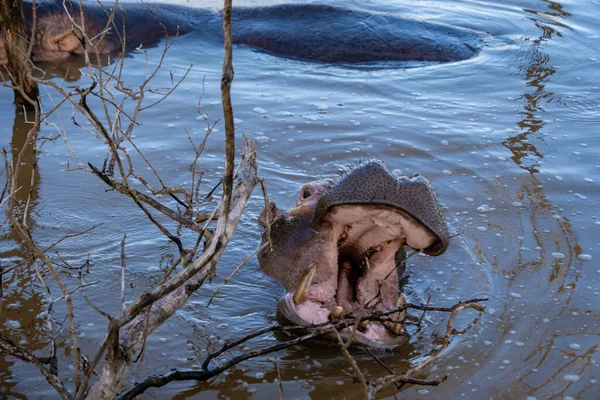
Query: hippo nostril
268,215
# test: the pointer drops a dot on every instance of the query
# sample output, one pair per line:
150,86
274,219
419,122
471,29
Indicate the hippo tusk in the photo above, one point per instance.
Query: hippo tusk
398,317
301,293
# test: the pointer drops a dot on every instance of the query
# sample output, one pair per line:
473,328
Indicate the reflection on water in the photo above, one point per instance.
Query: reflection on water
21,302
559,246
516,172
537,71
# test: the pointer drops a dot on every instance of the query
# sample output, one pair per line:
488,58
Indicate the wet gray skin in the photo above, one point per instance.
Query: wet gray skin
307,32
354,229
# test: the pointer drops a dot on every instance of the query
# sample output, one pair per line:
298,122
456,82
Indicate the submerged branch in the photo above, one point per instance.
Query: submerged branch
205,374
7,346
318,330
380,383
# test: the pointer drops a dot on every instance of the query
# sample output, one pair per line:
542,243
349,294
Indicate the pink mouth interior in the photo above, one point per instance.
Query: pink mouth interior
345,279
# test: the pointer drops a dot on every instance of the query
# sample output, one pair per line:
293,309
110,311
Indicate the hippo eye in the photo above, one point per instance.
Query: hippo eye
307,193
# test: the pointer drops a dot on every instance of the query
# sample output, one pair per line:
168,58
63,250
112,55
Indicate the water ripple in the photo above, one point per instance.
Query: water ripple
579,108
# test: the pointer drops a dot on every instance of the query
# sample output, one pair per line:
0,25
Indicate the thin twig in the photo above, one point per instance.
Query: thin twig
380,383
424,311
278,372
352,362
123,272
204,374
240,265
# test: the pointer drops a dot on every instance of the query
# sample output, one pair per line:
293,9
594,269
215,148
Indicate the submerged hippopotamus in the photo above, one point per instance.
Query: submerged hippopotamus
341,248
302,31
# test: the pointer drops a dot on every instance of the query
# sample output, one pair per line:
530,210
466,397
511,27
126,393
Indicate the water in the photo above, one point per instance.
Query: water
509,140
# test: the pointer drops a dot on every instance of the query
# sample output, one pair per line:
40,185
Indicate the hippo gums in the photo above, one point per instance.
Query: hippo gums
302,31
341,248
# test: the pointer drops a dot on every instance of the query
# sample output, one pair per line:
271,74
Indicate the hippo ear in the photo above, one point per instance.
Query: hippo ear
66,41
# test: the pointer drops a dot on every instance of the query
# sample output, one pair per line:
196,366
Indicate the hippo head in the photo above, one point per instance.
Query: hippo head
340,249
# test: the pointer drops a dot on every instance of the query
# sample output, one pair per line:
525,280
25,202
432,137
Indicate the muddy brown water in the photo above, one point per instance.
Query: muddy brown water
510,140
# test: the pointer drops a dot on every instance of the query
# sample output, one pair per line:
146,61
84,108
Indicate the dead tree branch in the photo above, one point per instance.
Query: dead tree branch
205,374
226,79
167,298
7,346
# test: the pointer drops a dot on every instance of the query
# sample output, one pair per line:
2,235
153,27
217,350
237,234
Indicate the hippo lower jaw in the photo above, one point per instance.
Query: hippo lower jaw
357,273
375,336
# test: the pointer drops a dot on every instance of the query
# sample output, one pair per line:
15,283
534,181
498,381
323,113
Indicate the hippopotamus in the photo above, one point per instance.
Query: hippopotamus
340,250
303,31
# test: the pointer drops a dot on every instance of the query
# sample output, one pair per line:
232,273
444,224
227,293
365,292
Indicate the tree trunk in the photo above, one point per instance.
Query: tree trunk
16,45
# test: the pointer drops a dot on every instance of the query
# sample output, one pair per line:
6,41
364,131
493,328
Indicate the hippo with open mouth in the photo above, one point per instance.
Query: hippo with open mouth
341,248
303,31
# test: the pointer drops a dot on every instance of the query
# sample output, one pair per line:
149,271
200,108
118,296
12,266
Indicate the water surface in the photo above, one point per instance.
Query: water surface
509,140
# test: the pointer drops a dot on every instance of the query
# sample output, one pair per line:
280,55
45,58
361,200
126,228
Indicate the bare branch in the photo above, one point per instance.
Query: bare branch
119,187
234,272
380,383
279,382
357,371
226,79
203,375
172,294
7,346
123,266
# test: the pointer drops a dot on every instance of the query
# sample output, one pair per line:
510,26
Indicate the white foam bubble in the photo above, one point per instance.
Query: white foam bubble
259,110
571,378
485,208
262,139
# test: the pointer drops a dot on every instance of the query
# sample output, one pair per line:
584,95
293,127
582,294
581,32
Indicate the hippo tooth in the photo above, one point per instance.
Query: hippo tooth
399,316
336,314
363,324
301,293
